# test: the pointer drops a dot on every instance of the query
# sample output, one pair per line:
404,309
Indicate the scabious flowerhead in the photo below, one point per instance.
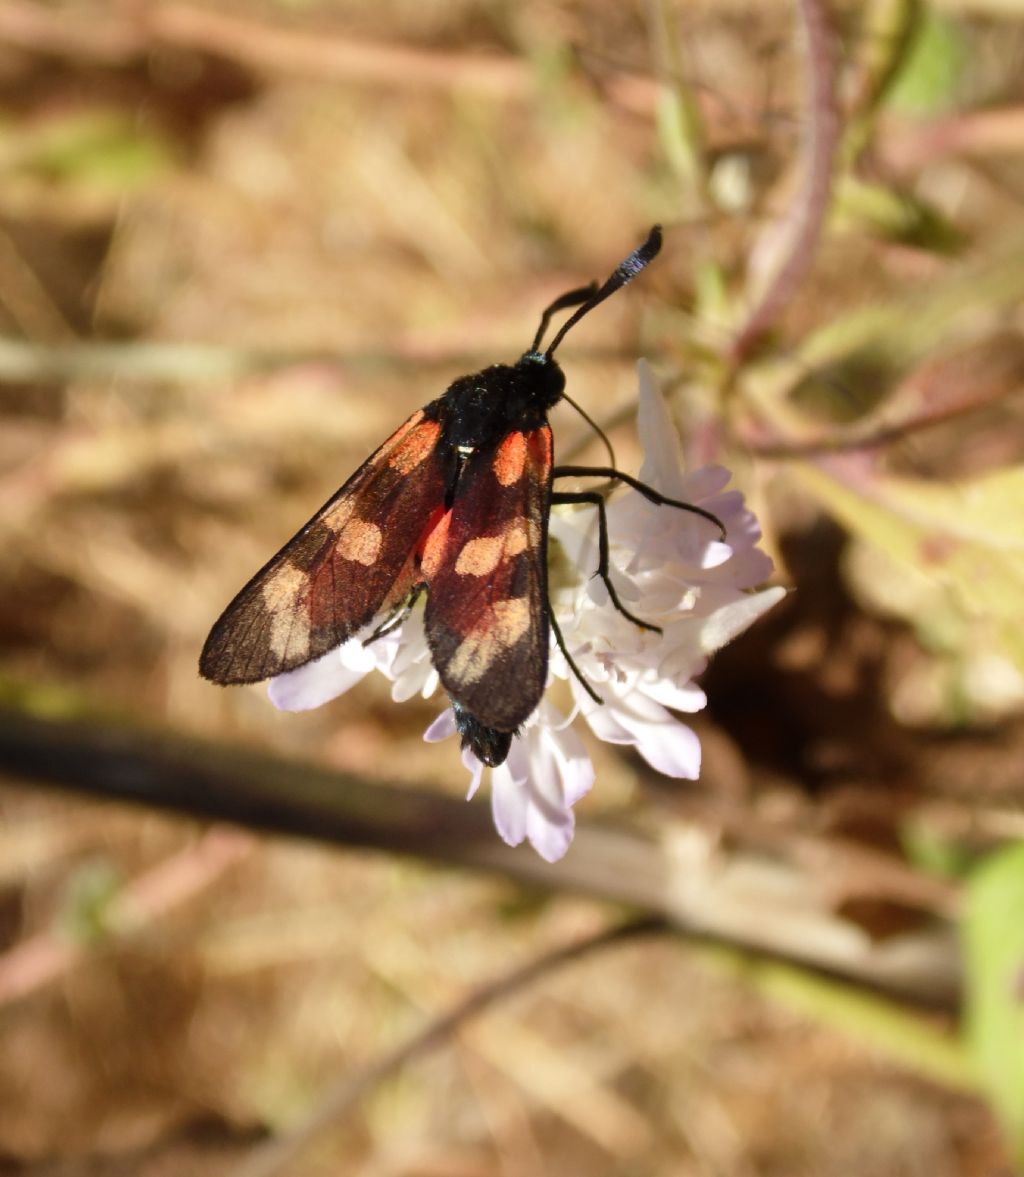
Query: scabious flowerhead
669,567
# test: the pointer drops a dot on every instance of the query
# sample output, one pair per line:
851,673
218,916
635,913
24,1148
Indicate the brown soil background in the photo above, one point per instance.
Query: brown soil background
294,222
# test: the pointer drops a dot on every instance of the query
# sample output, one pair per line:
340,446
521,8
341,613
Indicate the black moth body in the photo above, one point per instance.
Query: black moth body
455,505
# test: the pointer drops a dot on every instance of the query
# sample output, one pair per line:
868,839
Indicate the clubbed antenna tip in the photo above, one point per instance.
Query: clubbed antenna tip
624,272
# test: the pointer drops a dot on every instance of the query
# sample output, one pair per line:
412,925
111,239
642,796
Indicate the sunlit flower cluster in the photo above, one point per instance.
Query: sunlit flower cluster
669,567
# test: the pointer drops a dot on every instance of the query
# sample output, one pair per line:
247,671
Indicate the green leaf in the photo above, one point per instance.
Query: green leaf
966,538
927,849
931,75
876,1024
993,931
902,331
92,147
895,215
90,892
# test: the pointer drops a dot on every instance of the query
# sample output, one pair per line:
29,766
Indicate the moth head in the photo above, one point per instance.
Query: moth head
547,380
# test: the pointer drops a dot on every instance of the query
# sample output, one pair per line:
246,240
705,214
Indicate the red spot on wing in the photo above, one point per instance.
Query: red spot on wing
510,459
538,448
414,447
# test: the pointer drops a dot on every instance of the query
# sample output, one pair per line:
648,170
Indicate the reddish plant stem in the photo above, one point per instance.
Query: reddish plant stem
808,217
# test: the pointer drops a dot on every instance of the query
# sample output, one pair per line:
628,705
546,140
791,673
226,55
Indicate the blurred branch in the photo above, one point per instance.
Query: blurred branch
842,441
44,30
279,1154
755,903
44,958
133,31
988,384
910,145
811,204
30,363
26,298
933,316
130,29
22,362
316,54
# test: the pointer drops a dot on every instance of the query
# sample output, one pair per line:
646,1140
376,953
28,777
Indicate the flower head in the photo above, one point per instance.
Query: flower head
669,567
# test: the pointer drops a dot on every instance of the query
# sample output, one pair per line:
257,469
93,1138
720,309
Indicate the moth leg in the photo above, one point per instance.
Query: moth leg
396,617
556,629
597,500
605,440
649,493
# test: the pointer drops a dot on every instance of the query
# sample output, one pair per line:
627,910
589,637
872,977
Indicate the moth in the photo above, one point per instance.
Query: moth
455,505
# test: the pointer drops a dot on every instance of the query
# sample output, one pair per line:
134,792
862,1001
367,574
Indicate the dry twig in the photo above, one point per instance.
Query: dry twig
270,1159
748,902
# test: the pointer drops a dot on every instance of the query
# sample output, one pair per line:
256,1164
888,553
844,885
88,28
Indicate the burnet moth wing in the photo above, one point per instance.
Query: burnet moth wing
454,504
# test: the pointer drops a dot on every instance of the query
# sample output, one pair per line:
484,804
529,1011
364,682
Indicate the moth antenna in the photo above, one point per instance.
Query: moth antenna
593,425
624,272
571,299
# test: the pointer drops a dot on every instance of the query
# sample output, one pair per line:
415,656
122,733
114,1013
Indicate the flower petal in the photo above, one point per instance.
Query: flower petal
662,465
320,681
550,831
574,764
716,554
476,772
725,623
509,803
705,482
671,748
688,697
603,723
549,818
442,728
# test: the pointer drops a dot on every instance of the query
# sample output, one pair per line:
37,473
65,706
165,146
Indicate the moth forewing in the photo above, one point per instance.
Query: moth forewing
333,577
487,606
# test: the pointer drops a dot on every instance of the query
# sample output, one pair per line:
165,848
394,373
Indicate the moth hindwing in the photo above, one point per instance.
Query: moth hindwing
455,503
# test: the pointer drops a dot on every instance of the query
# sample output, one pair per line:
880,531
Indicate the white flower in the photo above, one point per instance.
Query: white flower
669,567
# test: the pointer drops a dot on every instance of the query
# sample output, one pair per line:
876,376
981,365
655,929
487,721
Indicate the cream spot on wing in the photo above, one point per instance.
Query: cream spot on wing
511,619
282,594
502,626
480,556
360,542
510,459
517,537
282,587
337,516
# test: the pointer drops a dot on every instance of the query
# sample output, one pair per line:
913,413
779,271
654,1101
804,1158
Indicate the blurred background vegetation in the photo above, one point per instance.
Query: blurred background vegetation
238,243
